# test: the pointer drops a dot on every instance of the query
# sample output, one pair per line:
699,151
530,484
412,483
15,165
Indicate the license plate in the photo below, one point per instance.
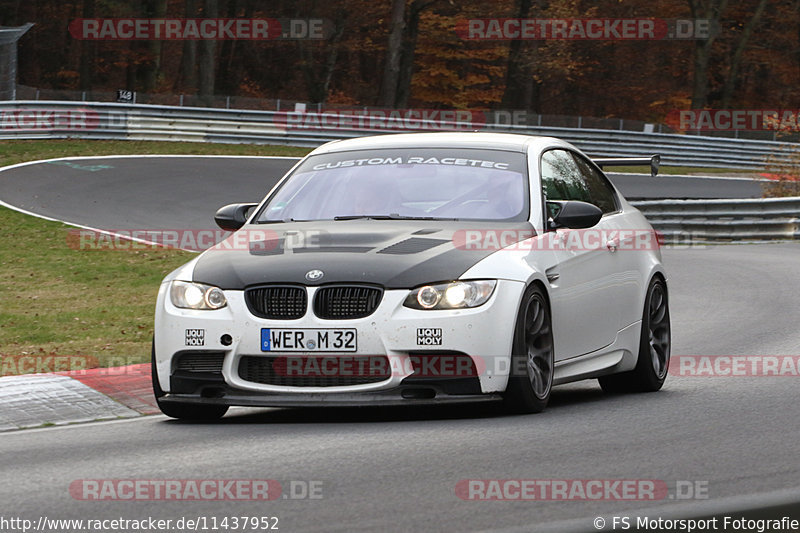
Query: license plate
308,340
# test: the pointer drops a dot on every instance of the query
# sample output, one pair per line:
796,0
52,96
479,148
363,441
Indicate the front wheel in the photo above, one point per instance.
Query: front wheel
532,358
654,347
184,411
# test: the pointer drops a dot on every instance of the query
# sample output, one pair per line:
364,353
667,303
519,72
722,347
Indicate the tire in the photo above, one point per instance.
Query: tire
654,347
184,411
532,355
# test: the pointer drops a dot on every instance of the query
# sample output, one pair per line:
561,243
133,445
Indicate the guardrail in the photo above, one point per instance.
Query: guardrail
751,219
97,120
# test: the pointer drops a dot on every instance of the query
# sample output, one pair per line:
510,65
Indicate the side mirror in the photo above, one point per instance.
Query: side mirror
573,214
233,216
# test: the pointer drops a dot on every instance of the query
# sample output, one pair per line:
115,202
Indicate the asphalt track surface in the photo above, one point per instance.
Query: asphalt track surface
157,192
184,192
397,469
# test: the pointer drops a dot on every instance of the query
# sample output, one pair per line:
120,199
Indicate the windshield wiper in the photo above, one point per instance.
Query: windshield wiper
392,216
282,220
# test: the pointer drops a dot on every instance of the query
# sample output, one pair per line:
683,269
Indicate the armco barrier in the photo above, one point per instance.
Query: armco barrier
96,120
751,219
678,220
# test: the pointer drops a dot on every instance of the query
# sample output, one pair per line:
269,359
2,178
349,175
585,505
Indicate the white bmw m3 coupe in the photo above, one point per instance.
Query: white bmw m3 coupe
418,268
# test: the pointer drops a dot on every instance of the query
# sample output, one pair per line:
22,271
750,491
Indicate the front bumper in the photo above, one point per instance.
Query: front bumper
484,334
403,395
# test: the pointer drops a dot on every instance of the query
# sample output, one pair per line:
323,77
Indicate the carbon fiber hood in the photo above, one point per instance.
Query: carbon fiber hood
389,253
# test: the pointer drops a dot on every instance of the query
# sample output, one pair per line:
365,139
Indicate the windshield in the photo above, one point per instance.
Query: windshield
404,183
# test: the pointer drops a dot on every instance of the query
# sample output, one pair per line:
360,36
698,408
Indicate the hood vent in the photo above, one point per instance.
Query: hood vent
270,247
332,249
414,245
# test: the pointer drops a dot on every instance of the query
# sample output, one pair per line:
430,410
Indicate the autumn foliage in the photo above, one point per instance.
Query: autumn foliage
407,53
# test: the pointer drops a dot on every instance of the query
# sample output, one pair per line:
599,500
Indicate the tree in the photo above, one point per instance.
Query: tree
318,77
187,74
391,69
411,34
521,90
207,57
151,67
88,52
736,59
711,10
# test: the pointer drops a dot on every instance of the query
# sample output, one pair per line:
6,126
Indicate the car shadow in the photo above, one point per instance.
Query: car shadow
573,396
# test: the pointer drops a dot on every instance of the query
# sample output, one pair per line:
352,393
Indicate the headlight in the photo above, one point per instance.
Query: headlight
188,295
455,295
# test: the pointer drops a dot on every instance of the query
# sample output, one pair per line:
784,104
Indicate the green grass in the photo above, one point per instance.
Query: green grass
12,152
58,300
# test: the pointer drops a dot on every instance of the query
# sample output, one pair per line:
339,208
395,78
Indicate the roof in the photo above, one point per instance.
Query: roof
481,140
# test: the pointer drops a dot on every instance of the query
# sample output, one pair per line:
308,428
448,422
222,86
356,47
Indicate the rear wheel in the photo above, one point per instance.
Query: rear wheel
185,411
532,358
654,347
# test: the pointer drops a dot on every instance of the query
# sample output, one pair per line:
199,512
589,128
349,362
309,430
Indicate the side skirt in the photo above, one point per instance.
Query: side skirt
619,356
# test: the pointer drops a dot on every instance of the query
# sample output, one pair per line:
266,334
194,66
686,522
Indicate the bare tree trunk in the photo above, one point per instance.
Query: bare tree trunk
330,64
207,57
153,9
187,77
516,70
736,60
408,50
797,50
702,52
226,81
704,9
130,68
88,51
391,69
531,89
134,51
318,83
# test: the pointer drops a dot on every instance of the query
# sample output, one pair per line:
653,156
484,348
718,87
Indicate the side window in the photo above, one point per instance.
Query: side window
561,177
601,193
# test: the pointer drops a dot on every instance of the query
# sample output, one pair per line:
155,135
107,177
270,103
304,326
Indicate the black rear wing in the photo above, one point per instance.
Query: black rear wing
653,161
